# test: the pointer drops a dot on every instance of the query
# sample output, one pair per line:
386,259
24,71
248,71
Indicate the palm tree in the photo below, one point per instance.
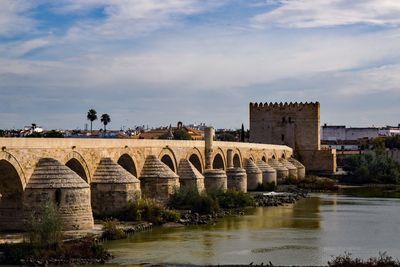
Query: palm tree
92,116
105,119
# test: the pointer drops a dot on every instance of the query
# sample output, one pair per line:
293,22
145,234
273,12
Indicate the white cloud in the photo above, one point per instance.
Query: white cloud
13,18
127,18
329,13
197,68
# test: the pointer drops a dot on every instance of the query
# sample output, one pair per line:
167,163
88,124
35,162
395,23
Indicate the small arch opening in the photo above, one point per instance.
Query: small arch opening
58,197
273,156
218,162
283,156
166,159
264,159
194,159
236,161
128,164
77,167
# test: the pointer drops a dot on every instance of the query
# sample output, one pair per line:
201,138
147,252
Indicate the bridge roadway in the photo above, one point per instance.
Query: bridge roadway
19,157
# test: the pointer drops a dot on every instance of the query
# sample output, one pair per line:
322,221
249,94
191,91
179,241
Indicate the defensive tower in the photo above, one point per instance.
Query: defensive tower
293,124
296,125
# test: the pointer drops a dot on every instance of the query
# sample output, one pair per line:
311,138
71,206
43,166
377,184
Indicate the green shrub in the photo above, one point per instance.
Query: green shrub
148,210
347,261
234,199
371,168
111,230
266,187
45,228
290,181
317,183
189,198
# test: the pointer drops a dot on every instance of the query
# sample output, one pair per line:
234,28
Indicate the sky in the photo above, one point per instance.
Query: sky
157,62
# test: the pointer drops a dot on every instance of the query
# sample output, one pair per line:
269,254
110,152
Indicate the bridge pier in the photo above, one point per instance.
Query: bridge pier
157,180
112,188
55,184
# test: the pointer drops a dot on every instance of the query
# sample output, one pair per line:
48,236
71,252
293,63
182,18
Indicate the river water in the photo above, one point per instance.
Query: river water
309,232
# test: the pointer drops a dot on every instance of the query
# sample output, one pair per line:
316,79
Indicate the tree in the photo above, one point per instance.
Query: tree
92,116
105,119
226,137
181,134
242,134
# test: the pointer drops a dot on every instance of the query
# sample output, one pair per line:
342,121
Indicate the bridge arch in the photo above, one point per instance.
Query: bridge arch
14,162
219,160
195,157
77,163
167,156
237,158
11,193
128,163
252,157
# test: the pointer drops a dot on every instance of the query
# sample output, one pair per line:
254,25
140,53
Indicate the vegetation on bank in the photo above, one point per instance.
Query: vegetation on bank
266,187
373,168
312,183
112,231
147,210
381,191
189,198
347,260
45,244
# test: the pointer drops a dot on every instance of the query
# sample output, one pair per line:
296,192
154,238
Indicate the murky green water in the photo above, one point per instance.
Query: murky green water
307,233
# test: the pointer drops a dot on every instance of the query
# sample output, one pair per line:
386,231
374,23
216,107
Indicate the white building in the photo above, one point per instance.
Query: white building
335,133
390,131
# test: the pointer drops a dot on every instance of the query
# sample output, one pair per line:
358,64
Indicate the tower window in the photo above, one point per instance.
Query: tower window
283,137
290,119
283,119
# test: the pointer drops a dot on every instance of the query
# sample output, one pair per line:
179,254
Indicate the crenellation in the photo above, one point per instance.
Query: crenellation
291,106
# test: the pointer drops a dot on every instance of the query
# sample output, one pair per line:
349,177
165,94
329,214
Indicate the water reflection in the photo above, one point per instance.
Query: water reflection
306,233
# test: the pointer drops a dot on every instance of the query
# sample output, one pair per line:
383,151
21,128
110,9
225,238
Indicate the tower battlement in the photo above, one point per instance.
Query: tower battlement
285,105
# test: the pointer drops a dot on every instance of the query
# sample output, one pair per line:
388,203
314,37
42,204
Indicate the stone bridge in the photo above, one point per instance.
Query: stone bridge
20,160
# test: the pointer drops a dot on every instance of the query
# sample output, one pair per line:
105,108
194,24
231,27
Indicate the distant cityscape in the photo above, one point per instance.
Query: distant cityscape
340,137
179,131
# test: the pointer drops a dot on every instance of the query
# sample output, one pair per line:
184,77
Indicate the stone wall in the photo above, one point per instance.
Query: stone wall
319,161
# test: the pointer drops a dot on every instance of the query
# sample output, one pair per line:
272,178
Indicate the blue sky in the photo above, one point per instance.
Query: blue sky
156,62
